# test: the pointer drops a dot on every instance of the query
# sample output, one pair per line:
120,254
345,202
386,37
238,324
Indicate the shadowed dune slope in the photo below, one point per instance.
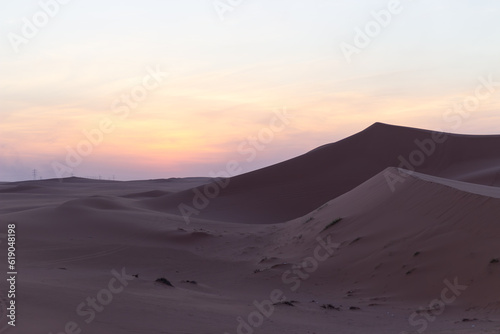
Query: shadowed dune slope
403,245
292,188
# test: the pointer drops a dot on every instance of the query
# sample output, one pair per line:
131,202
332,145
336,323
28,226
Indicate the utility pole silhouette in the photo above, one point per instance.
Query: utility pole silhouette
34,174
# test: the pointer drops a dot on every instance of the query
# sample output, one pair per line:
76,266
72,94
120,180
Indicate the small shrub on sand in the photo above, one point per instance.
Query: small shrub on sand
332,223
163,280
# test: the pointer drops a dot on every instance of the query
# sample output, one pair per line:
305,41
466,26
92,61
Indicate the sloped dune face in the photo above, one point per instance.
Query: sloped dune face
297,186
403,246
94,203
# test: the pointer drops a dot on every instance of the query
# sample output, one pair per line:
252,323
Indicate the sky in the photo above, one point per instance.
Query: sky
175,88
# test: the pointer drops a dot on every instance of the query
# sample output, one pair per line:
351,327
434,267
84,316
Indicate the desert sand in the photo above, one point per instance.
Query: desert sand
343,239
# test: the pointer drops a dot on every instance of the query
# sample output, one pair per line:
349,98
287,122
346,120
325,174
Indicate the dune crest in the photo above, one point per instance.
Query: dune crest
294,187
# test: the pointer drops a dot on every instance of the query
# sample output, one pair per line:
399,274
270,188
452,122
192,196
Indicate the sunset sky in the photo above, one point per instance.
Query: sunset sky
231,70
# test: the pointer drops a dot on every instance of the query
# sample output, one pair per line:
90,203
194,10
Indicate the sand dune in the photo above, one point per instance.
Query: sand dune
292,188
465,186
403,245
350,254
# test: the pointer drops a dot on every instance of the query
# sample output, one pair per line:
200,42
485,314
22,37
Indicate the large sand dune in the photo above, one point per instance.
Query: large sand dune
292,188
350,254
